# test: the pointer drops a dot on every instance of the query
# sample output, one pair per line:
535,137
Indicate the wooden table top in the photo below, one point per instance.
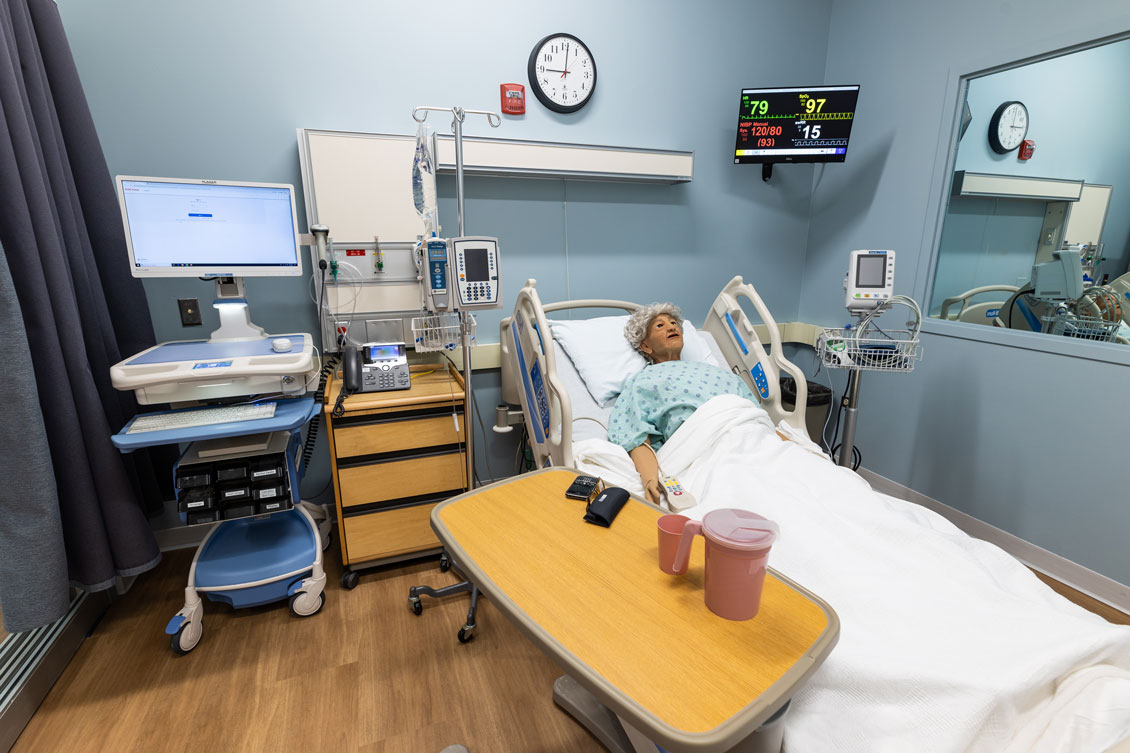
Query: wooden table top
642,641
430,384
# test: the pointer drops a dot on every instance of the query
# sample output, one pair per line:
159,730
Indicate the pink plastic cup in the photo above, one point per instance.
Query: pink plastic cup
670,534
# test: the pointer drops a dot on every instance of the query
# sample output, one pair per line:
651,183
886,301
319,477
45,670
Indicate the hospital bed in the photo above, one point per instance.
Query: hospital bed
558,408
947,644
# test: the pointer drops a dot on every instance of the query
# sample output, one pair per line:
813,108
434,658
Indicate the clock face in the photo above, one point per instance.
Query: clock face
562,73
1008,127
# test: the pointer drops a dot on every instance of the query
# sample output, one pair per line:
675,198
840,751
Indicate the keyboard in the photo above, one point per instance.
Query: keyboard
188,419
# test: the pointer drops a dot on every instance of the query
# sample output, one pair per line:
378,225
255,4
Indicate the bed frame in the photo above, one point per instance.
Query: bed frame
529,363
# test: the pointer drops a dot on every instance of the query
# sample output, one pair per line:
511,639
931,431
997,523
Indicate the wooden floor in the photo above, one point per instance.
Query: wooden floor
364,674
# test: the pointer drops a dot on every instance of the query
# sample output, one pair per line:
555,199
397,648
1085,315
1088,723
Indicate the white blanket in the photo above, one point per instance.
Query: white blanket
947,644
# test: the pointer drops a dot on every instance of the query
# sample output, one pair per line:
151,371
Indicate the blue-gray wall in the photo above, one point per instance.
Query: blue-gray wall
216,89
1012,433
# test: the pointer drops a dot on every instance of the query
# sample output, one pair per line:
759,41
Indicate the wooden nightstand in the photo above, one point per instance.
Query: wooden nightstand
394,455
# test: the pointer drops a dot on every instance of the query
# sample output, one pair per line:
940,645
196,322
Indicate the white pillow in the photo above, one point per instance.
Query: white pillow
604,359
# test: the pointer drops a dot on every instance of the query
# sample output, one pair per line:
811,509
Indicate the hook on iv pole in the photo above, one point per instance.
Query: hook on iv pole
420,114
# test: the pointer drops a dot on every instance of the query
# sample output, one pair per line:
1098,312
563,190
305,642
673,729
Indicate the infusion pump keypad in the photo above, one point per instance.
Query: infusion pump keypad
476,268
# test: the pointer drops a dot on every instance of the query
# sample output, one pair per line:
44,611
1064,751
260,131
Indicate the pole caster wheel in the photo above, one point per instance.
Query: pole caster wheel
466,633
185,639
444,563
350,579
415,605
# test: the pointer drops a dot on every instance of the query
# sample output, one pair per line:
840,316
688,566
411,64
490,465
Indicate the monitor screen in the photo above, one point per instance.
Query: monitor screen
198,228
871,271
383,352
477,261
797,124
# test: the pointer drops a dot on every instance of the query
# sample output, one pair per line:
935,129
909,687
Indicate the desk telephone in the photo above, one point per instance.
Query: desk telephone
375,367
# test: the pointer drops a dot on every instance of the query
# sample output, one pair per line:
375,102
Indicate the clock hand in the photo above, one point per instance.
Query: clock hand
565,72
555,70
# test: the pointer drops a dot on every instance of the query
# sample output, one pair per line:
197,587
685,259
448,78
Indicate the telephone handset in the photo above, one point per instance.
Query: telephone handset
351,369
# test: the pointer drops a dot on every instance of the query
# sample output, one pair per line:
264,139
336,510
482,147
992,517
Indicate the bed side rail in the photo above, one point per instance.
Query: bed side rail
528,357
746,356
963,299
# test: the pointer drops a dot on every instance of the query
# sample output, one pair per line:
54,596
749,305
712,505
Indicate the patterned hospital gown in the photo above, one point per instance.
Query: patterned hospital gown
656,401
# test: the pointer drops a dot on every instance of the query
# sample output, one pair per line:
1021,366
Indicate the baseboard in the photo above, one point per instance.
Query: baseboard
1097,586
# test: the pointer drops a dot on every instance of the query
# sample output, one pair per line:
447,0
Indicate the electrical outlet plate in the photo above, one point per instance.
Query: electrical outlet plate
189,312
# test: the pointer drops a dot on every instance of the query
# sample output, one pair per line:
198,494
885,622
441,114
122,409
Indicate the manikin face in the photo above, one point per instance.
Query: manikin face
664,339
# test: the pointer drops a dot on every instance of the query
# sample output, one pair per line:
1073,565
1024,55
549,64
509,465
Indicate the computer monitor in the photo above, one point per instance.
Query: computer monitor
179,227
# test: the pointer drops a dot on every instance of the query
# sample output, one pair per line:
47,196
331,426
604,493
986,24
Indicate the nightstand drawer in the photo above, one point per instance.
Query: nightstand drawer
393,479
389,533
397,434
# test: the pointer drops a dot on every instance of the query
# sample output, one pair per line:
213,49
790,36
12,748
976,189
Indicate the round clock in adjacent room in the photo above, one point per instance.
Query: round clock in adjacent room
562,73
1008,127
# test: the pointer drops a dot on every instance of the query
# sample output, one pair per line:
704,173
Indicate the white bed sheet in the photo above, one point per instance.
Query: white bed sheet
947,643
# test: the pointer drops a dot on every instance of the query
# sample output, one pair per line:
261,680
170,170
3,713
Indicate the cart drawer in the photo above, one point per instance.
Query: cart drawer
389,533
392,436
393,479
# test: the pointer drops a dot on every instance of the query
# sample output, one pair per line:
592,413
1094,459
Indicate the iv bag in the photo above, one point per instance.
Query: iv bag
424,180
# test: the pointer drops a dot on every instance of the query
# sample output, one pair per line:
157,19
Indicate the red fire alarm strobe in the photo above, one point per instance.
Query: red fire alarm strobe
1027,147
513,99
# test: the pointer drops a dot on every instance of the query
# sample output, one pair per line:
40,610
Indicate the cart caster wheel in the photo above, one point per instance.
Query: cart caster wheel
349,580
302,605
465,634
415,605
326,541
185,639
444,563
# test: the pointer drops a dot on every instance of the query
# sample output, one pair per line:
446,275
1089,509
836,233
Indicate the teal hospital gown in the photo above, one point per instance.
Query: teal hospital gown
656,401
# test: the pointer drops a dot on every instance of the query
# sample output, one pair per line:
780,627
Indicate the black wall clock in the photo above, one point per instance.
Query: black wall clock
562,73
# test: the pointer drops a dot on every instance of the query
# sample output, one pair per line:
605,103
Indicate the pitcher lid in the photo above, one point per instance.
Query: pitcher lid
739,529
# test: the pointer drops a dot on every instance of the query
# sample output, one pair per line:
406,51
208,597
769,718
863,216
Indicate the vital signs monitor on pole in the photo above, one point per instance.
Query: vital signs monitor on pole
870,279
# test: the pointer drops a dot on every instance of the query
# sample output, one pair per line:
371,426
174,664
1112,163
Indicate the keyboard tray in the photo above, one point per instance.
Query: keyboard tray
289,415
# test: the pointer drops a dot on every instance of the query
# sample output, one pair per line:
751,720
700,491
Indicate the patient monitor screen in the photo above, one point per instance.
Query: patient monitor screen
477,261
871,271
798,124
194,228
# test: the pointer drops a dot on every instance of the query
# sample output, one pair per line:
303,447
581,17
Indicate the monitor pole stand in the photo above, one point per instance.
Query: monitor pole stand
766,171
235,321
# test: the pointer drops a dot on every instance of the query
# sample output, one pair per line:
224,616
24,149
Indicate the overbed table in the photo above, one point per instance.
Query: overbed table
647,662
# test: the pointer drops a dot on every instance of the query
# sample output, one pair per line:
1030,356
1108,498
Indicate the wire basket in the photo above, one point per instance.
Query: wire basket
1083,327
440,331
895,350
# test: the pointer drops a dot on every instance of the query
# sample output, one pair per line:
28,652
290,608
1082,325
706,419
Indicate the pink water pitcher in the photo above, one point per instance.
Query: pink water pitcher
737,553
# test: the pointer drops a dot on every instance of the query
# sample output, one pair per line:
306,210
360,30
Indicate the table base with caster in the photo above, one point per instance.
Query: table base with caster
618,736
466,633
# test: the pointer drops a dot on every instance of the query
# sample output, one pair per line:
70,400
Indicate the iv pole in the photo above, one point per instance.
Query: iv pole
494,120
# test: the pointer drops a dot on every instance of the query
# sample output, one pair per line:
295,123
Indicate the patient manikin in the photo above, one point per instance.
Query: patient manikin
655,402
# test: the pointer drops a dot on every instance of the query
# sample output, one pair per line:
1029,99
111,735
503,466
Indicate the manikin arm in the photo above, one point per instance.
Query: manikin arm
648,467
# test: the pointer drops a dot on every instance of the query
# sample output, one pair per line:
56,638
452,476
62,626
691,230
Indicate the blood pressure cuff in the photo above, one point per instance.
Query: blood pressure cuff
604,509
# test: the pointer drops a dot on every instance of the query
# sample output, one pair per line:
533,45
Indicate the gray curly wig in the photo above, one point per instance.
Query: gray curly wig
636,328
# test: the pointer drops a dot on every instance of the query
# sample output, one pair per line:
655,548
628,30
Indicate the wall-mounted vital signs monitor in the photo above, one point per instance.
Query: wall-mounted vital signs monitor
794,124
178,227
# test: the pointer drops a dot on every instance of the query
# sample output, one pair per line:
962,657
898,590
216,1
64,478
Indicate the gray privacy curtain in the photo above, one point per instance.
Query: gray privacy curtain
61,234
